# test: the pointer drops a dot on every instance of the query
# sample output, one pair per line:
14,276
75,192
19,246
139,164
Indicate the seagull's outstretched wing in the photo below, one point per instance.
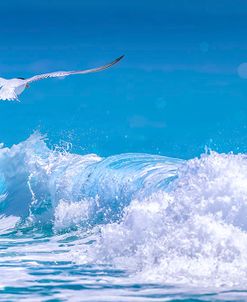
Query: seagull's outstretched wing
67,73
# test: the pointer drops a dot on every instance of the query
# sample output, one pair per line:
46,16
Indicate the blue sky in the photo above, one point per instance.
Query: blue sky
180,87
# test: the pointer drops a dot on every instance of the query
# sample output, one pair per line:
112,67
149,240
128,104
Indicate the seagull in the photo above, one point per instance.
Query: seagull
11,88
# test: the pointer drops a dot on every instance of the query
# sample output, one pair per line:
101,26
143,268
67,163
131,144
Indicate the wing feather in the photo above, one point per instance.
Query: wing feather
67,73
8,94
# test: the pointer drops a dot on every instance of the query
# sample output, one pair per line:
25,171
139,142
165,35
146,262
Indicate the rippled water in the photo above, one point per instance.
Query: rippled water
131,227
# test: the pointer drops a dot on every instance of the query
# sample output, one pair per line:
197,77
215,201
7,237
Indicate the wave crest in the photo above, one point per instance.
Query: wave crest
193,233
159,218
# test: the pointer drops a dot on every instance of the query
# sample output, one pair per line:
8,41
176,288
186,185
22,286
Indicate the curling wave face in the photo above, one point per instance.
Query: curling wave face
159,219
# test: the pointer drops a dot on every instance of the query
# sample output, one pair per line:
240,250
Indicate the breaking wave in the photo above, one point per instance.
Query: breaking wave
160,219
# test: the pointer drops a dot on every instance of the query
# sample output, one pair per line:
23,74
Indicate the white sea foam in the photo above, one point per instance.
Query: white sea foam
161,219
195,233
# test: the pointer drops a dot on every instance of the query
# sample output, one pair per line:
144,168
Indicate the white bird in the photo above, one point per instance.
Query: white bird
11,88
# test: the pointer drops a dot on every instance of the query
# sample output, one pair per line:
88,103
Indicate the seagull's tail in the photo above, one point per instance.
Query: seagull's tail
8,94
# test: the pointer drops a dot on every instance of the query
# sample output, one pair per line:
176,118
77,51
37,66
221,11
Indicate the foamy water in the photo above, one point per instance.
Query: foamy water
124,228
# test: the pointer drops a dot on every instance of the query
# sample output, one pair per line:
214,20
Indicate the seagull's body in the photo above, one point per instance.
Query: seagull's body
10,89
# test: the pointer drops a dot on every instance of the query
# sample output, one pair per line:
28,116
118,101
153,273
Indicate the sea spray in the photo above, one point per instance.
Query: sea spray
158,219
194,232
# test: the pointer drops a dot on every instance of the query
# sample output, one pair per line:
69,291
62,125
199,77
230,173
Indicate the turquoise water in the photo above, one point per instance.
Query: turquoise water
130,227
129,184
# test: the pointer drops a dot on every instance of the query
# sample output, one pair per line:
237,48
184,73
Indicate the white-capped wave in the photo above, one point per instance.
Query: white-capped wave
64,190
194,233
159,218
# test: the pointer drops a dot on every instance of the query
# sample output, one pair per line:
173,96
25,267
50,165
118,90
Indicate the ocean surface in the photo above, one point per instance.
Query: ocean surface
128,227
128,184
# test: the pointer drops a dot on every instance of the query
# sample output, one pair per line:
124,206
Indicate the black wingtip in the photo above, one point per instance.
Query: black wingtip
120,58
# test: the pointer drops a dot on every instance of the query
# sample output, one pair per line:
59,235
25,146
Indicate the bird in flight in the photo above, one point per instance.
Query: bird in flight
11,88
